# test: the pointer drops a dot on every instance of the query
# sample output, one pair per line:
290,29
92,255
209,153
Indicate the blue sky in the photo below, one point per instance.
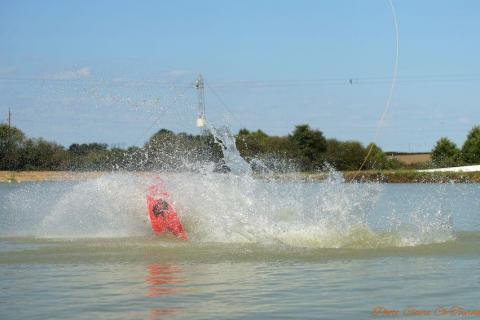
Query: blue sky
117,71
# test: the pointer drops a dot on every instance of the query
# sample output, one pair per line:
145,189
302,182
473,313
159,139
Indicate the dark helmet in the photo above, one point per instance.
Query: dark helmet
160,207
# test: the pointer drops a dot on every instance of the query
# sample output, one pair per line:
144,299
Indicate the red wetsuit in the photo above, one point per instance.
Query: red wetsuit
162,213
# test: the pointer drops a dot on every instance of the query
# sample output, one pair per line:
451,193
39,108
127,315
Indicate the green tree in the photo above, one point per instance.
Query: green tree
251,144
310,146
352,154
445,153
471,147
280,146
88,156
345,155
38,154
377,158
86,148
170,151
11,143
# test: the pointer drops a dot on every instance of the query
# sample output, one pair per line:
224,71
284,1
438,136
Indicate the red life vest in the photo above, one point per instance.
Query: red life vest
162,213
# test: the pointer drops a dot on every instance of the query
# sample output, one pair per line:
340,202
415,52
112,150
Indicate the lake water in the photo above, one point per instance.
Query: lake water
256,249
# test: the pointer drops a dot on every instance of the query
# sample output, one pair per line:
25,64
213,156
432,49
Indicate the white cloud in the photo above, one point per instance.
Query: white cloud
81,73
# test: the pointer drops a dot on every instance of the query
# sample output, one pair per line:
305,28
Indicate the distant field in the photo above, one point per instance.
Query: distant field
410,158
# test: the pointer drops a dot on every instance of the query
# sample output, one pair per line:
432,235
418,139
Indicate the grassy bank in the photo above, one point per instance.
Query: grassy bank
411,176
398,176
29,176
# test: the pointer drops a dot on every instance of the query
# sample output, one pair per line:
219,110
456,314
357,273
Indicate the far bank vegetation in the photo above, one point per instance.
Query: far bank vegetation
304,149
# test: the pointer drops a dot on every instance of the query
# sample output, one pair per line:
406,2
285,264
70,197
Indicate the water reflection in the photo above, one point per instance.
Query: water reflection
162,281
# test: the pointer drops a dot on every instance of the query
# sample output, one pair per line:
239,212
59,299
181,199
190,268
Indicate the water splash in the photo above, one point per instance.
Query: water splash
228,208
107,207
237,207
233,160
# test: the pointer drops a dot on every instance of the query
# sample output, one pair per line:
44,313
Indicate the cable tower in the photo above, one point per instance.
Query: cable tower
200,86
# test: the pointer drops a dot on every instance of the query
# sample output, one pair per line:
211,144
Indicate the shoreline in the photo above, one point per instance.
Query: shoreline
399,176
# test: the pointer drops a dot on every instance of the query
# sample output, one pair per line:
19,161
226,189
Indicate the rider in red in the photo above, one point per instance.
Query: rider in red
162,213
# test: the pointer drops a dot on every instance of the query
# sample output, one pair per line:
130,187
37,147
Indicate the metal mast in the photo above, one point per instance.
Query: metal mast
199,85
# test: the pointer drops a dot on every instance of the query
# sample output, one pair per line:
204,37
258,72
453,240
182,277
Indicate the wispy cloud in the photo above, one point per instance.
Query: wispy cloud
6,71
178,73
80,73
464,120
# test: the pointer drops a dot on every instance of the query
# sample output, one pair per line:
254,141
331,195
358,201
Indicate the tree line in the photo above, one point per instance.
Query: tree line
309,150
162,151
304,149
447,154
